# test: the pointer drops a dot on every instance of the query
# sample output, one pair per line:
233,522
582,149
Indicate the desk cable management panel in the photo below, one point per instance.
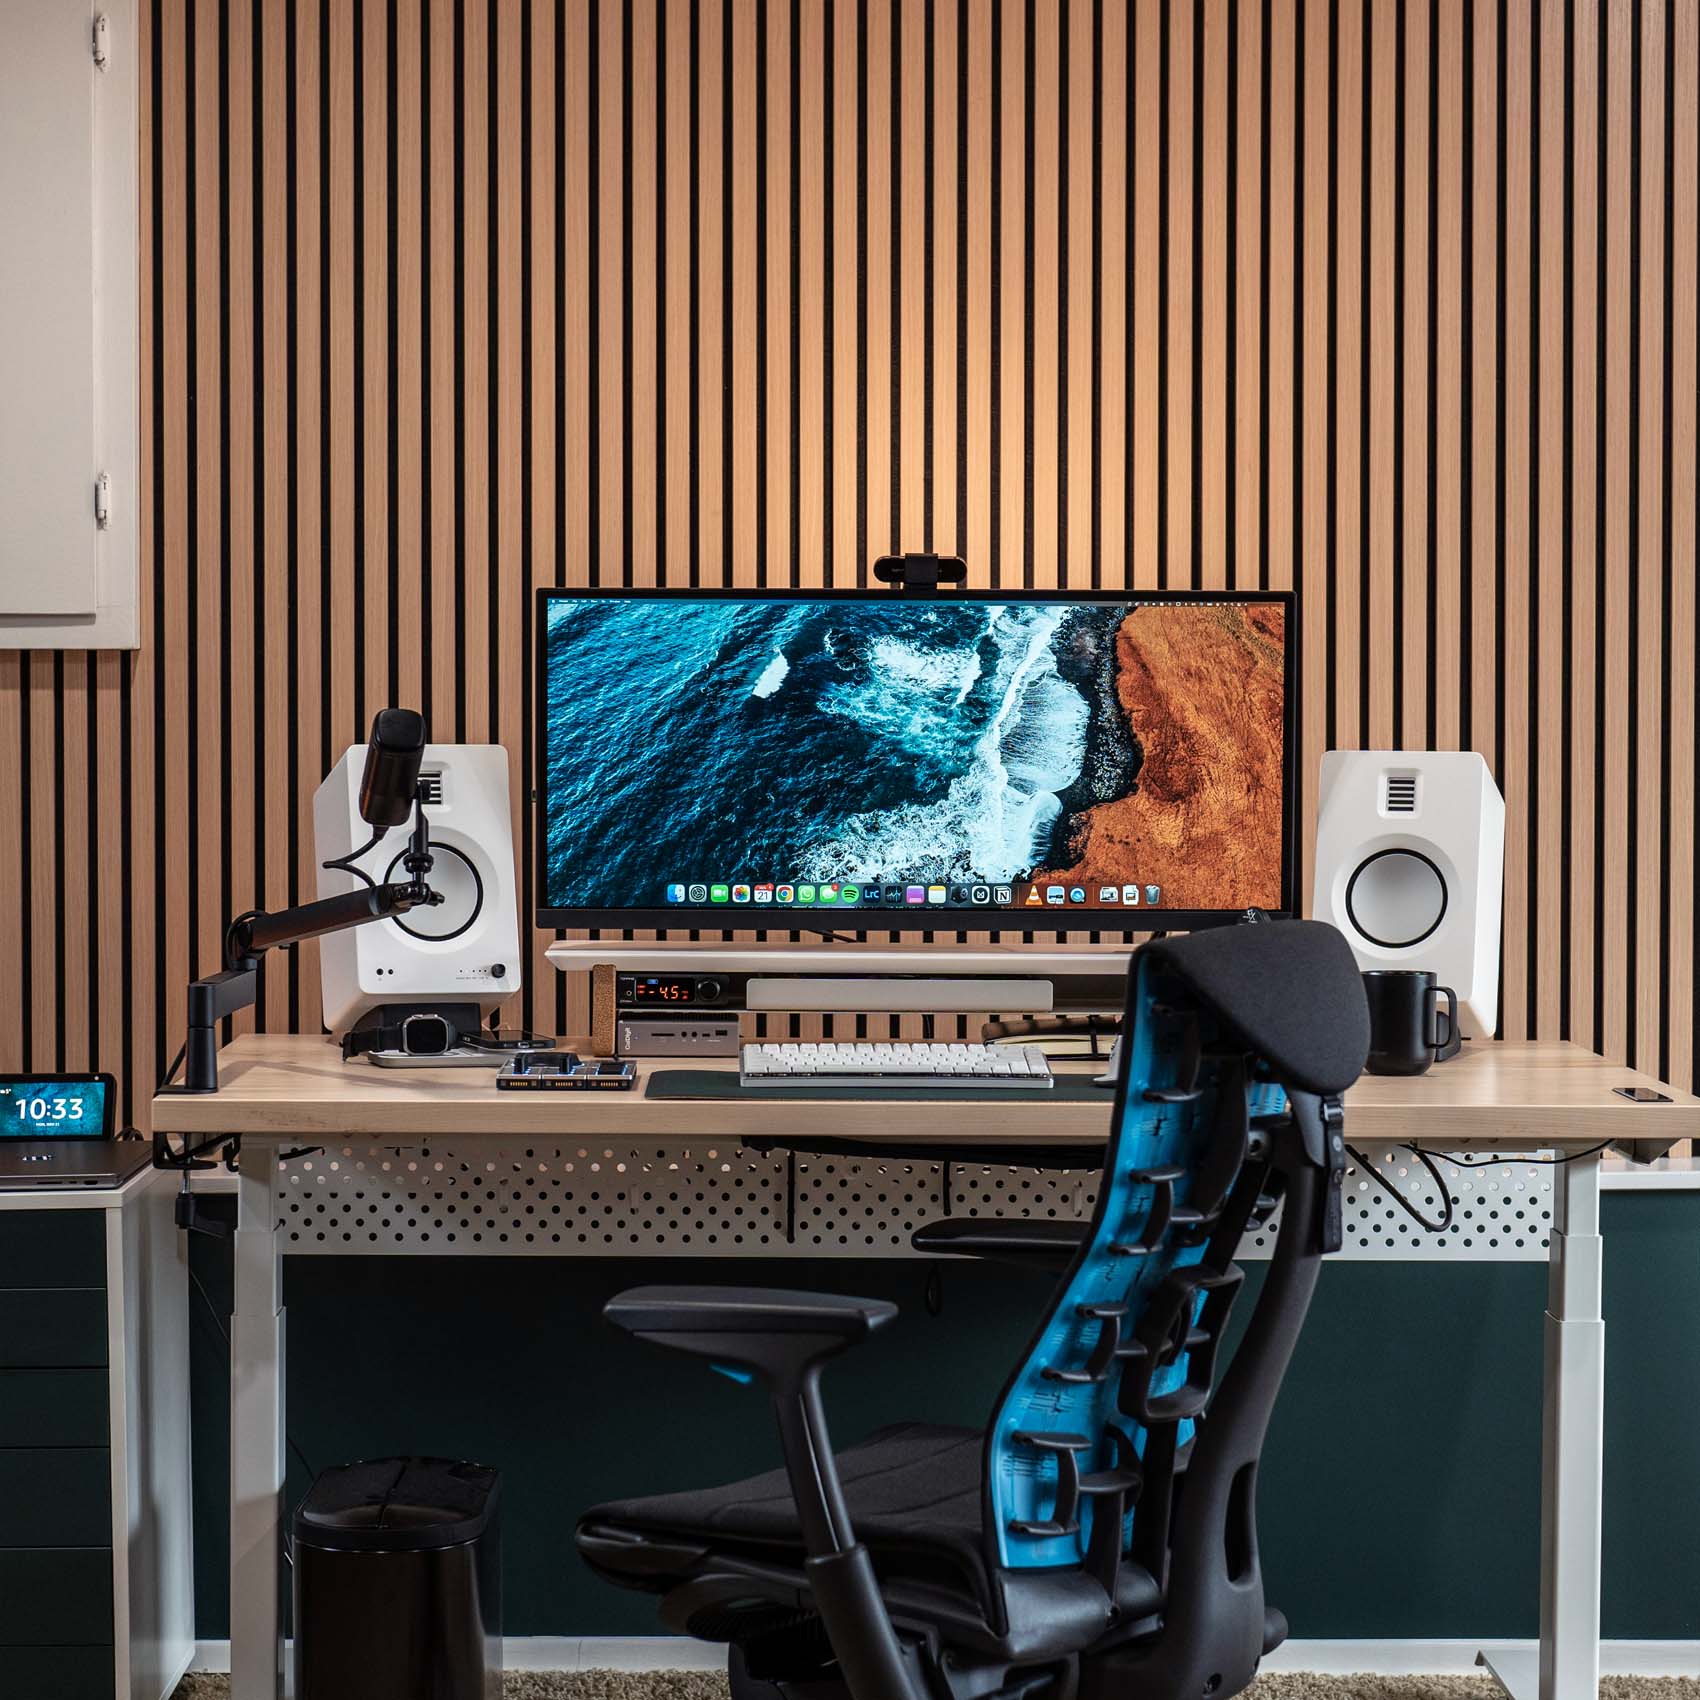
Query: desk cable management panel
653,1199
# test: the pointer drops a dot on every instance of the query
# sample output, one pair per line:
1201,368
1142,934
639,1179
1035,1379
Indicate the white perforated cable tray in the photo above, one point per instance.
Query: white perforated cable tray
711,1200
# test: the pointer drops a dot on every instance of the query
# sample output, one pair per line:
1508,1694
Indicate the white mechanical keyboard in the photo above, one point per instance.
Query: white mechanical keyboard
892,1063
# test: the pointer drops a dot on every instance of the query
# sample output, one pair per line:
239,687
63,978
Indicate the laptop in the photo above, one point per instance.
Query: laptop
56,1130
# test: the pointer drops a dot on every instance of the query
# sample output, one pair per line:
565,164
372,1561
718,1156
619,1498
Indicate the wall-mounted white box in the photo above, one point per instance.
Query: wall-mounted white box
69,326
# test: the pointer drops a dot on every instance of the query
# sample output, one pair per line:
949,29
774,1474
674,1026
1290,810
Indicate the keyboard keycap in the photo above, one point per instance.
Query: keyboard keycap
889,1063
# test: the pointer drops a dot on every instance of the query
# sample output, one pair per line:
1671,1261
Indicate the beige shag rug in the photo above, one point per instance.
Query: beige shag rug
1288,1685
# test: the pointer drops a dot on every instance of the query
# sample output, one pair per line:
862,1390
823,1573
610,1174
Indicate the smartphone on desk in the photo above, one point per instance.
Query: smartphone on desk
565,1071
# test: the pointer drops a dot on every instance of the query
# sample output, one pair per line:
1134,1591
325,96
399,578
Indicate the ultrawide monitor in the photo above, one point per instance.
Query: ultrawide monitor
969,760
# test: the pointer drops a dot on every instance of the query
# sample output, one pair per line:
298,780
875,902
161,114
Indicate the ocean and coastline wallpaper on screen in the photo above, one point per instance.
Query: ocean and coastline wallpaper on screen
748,750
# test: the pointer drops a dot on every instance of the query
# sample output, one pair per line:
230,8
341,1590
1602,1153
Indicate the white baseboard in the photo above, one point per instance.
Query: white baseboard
1328,1658
1458,1658
559,1652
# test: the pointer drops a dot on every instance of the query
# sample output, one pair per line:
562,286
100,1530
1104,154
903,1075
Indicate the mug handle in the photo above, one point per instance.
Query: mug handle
1447,1039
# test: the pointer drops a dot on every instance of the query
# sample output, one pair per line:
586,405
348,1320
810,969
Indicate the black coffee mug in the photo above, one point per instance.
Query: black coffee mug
1408,1030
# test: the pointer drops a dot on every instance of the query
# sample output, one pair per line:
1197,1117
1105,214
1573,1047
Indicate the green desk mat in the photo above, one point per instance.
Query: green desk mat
719,1083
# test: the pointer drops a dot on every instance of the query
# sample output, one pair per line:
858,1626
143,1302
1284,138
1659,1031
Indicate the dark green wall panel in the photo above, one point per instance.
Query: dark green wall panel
1401,1484
1652,1522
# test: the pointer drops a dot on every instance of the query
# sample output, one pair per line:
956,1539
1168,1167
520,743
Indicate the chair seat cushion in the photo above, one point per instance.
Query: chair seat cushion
914,1496
913,1491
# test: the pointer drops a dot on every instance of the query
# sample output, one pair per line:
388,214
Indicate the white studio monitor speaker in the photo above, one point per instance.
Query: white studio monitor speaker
464,950
1410,863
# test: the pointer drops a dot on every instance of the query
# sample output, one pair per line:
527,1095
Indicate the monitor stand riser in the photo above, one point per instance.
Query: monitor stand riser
870,979
974,961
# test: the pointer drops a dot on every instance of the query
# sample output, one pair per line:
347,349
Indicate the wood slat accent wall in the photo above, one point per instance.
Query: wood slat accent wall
443,299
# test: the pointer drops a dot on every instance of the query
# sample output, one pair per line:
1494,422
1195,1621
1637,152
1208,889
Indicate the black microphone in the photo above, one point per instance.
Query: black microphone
393,755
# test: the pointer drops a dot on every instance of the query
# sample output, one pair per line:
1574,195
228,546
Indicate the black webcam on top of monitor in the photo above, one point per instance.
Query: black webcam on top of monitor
920,572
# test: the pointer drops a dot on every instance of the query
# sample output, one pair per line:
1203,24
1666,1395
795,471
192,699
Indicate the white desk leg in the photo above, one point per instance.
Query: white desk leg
256,1435
1572,1452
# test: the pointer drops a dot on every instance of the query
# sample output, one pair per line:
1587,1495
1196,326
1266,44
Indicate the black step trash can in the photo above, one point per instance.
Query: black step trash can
398,1582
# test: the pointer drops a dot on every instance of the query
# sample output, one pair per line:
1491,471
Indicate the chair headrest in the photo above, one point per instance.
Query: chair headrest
1291,989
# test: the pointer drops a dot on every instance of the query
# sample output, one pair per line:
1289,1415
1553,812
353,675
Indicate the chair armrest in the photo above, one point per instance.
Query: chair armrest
1045,1246
773,1332
783,1337
745,1310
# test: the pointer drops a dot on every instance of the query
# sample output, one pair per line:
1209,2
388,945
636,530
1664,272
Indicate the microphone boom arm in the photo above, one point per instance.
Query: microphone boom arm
250,936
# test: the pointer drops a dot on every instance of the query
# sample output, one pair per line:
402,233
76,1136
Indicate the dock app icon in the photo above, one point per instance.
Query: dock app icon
699,894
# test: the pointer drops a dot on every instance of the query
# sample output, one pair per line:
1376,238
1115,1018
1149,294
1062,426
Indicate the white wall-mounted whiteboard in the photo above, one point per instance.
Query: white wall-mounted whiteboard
68,325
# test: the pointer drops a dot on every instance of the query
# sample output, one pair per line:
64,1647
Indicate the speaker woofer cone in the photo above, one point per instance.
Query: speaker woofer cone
1396,898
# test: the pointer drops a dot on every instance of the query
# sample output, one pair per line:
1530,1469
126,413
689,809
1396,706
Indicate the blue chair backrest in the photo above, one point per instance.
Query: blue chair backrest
1122,1364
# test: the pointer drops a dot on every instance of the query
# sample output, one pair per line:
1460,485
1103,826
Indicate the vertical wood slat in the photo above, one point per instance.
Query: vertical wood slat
1684,368
1310,567
1547,991
1513,612
274,685
509,474
1284,54
372,306
235,828
1587,401
1616,497
1212,330
41,960
1439,372
1416,329
1644,917
73,951
1145,427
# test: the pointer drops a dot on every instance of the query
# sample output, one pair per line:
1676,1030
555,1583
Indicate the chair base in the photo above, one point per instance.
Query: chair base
747,1687
959,1681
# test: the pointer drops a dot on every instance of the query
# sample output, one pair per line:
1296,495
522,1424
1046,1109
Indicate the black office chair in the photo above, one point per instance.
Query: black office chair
1097,1539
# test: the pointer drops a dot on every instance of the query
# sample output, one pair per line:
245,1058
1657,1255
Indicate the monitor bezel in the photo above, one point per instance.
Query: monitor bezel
863,919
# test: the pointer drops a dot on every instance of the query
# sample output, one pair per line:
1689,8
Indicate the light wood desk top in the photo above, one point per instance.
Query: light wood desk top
1491,1097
